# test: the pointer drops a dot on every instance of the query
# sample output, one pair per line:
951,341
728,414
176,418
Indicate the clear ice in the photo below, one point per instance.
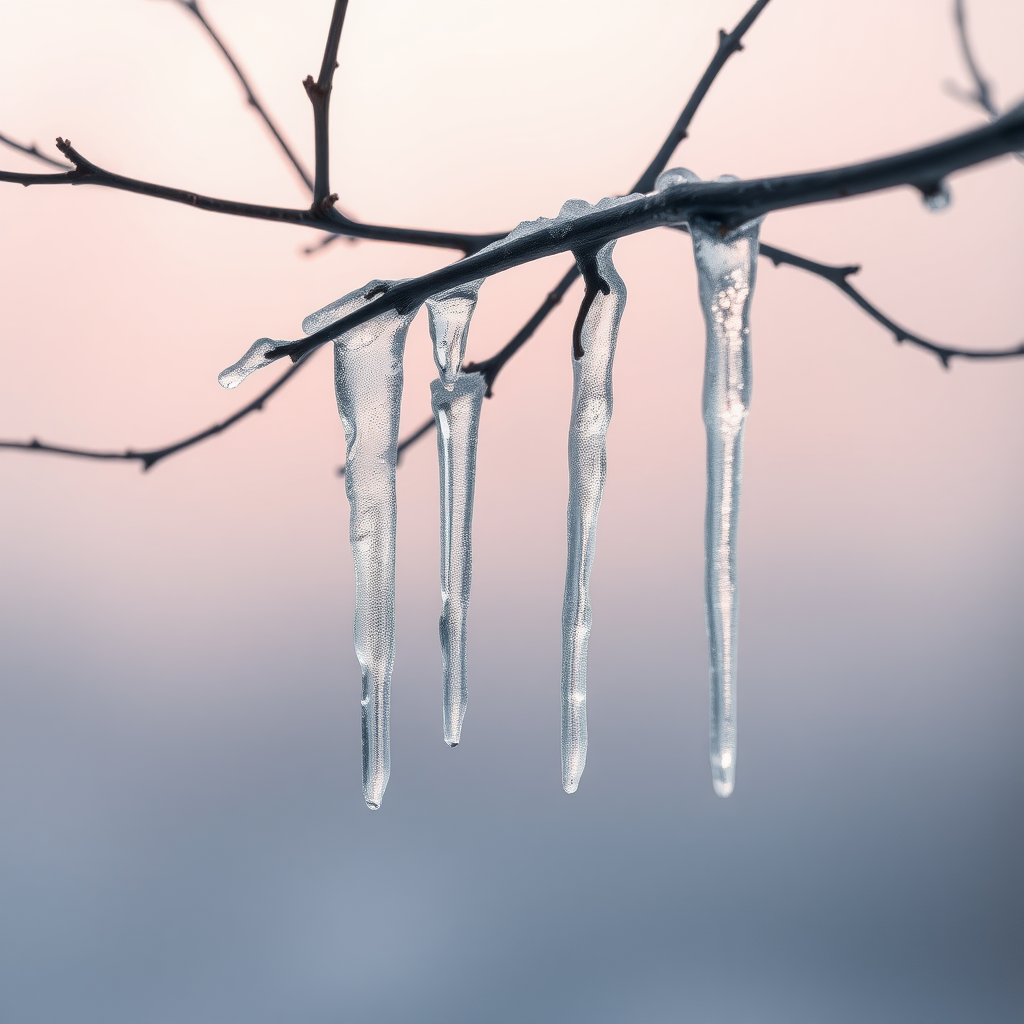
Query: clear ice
938,199
253,360
368,385
448,315
456,399
726,267
588,429
457,412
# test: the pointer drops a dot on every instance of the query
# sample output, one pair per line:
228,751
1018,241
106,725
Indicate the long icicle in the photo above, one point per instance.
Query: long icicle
456,399
368,386
588,429
457,412
726,271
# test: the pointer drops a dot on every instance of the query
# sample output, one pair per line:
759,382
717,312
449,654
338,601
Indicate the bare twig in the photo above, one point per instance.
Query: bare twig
250,95
33,151
982,94
151,456
86,172
323,243
728,44
839,276
319,93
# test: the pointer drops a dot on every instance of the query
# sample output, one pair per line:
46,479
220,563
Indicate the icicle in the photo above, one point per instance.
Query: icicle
726,268
368,384
588,429
456,399
457,412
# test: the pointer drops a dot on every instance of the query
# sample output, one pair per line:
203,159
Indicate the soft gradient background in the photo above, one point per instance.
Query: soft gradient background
182,834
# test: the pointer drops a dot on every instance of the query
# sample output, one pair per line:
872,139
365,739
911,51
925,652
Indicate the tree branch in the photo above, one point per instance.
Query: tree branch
728,44
85,172
839,276
726,203
319,93
982,95
151,456
33,151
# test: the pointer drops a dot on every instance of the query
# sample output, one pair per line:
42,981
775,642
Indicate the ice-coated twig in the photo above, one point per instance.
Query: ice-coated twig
726,270
368,385
457,413
593,356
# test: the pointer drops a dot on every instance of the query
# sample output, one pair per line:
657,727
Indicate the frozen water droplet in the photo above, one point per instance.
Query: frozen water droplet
938,199
253,360
675,176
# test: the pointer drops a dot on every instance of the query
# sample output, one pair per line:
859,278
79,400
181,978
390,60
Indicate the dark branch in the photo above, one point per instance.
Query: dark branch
150,457
982,94
319,93
593,284
728,44
323,243
33,151
491,367
193,6
839,276
87,173
726,203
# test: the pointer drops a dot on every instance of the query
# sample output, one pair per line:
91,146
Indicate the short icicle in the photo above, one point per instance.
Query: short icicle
726,269
368,385
588,429
456,399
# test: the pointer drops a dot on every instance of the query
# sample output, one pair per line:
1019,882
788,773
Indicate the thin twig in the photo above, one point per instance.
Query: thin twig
982,95
151,456
250,95
33,151
323,243
839,276
86,172
728,44
319,93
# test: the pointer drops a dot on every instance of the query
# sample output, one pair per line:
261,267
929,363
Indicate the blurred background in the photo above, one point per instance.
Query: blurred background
182,831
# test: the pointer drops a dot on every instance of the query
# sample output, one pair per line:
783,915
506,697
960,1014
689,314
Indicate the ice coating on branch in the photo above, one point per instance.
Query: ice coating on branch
448,314
939,198
457,413
368,385
726,268
253,360
588,429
